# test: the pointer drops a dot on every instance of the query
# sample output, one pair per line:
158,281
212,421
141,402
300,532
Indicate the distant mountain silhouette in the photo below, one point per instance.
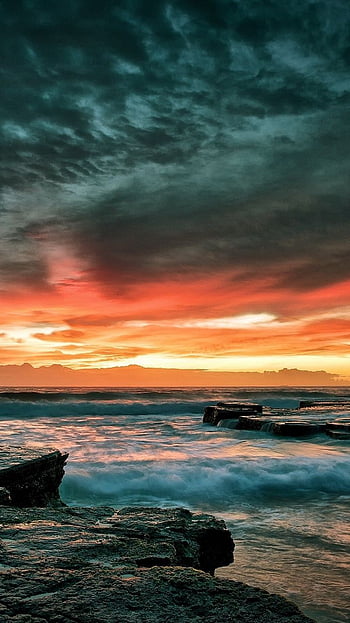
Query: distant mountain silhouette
56,375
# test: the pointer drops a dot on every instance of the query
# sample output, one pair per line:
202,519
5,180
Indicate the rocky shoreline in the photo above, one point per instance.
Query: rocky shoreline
61,564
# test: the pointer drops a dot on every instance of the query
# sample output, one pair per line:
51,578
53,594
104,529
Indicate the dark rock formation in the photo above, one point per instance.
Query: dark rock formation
81,565
30,477
339,429
280,421
141,537
228,423
296,429
338,434
229,410
156,595
250,422
339,425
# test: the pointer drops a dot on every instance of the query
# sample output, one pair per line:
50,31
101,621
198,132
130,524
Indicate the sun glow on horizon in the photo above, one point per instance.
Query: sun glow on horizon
204,324
241,343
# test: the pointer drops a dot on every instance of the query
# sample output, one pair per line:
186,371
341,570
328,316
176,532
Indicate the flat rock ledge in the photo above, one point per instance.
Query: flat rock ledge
284,422
98,565
63,564
30,476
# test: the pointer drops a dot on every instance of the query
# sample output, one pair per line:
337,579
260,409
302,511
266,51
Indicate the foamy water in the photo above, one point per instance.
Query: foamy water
286,501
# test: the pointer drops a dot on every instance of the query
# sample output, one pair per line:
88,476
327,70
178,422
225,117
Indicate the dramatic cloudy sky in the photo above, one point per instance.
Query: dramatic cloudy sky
175,183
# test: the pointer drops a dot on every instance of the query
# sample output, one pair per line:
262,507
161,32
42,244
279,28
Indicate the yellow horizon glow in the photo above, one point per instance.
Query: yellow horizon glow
171,325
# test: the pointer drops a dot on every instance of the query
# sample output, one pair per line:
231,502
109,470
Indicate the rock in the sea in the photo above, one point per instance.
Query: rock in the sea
5,497
250,422
229,411
339,425
31,476
296,429
339,429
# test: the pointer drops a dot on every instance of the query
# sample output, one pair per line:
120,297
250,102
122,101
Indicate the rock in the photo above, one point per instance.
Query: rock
31,476
141,537
337,434
339,425
229,411
295,429
339,429
227,424
250,422
209,415
83,565
156,595
5,497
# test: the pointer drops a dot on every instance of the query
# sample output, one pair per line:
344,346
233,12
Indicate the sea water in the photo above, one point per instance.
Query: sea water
286,501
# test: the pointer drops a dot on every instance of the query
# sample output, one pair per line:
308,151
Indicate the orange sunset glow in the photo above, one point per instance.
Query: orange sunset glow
205,323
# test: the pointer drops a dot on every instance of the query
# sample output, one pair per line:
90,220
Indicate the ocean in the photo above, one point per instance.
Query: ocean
286,501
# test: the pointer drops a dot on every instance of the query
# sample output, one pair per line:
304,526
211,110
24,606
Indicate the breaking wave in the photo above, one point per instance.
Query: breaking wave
210,484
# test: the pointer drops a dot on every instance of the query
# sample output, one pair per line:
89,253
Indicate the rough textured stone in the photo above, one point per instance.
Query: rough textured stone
157,595
131,536
89,565
31,476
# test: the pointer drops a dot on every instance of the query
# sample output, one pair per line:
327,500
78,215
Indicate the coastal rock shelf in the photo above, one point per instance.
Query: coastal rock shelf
283,422
82,565
130,537
30,477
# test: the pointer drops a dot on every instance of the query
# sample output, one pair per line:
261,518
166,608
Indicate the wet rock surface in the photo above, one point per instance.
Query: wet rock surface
228,411
283,422
142,537
88,565
30,477
157,595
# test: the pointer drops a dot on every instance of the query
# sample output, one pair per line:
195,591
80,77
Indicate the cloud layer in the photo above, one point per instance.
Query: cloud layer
191,154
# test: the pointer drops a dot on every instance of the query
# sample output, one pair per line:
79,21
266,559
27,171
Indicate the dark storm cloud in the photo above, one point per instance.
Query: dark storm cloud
172,137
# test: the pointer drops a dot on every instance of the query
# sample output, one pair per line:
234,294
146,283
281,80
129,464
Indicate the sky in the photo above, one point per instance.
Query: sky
175,184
